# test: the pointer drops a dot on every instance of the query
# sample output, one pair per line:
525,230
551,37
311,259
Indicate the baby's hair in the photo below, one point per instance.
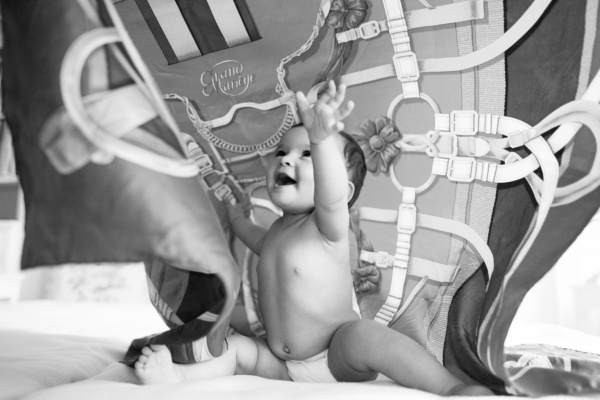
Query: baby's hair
366,277
356,165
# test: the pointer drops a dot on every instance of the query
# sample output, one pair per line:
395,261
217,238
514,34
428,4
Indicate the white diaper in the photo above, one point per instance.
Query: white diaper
201,351
313,369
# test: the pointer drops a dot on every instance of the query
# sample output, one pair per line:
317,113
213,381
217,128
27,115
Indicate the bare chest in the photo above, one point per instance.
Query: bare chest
300,274
301,259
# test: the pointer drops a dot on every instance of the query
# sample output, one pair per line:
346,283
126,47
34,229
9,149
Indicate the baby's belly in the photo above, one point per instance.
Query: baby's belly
295,332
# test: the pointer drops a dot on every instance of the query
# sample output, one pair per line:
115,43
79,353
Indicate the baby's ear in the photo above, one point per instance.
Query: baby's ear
351,190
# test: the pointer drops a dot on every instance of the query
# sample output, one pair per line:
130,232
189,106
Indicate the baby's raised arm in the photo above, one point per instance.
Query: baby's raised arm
323,121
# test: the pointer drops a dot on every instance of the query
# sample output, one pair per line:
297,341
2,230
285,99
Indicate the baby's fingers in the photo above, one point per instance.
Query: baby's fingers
328,94
335,95
247,205
339,96
345,110
302,101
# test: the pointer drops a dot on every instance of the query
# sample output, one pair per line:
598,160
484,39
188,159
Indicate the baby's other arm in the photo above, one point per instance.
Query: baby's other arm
250,234
323,121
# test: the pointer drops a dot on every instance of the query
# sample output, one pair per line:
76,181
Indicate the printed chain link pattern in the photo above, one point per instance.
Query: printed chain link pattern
288,121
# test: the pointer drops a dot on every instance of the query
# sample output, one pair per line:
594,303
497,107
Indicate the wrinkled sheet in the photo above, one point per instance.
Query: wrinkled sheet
52,349
45,343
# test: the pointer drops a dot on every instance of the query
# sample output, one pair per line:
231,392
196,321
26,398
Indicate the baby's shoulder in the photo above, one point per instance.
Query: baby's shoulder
301,232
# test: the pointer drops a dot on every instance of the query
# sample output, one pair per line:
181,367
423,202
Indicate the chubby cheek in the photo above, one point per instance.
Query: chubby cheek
308,179
270,176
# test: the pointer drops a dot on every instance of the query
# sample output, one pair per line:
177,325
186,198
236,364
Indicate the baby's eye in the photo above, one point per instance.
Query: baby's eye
279,153
306,153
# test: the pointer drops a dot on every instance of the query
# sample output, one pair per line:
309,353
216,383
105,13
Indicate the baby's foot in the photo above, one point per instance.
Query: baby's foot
154,366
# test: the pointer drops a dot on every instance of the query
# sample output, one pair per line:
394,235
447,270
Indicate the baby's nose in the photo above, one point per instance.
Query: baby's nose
285,160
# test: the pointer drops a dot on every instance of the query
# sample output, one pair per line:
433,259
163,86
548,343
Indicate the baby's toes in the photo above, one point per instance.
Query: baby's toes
147,351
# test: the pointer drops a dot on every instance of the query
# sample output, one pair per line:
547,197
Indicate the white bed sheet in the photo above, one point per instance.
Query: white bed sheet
62,350
45,343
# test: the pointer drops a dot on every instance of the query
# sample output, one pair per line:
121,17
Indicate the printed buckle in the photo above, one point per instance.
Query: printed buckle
464,122
371,25
381,259
461,169
222,191
518,139
512,157
406,66
203,162
454,143
407,218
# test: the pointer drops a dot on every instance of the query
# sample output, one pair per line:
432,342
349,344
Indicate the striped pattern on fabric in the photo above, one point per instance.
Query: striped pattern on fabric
186,29
189,303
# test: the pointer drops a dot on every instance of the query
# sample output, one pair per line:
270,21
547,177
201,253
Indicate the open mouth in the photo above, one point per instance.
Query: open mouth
283,179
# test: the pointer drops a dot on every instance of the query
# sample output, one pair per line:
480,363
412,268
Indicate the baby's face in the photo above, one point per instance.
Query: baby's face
290,179
290,176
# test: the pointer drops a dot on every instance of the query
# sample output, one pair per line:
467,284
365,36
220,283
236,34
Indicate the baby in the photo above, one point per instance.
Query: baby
304,280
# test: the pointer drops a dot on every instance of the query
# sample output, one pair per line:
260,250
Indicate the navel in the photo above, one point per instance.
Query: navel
286,349
297,270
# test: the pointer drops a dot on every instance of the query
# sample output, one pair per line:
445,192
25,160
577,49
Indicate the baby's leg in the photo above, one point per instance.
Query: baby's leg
155,364
266,364
360,349
244,356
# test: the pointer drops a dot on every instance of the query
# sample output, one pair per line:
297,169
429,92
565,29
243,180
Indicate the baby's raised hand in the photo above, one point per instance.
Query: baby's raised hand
239,210
325,117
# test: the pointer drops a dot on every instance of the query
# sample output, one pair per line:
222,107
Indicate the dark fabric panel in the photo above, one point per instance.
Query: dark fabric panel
157,31
178,339
514,209
114,212
183,353
201,293
561,228
460,349
542,73
248,20
202,25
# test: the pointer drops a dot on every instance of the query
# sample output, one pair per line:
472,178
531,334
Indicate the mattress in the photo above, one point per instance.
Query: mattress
58,349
